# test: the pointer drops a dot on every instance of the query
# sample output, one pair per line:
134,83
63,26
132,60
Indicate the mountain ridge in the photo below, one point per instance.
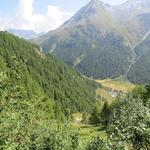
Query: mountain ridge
26,34
99,40
93,8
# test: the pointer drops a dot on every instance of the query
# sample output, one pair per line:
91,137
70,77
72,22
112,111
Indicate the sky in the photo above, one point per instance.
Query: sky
40,15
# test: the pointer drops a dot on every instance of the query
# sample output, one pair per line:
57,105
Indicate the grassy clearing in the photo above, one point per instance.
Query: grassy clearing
117,85
105,94
89,131
112,88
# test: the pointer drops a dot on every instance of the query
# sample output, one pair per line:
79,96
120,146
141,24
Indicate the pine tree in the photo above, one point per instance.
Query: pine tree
105,114
95,118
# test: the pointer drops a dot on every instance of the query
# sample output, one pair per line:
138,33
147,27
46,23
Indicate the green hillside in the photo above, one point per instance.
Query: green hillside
44,77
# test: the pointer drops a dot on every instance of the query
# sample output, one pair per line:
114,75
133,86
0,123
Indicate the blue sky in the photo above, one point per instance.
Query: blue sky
40,15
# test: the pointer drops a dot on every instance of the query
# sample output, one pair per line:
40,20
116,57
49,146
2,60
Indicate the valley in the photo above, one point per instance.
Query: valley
111,89
117,84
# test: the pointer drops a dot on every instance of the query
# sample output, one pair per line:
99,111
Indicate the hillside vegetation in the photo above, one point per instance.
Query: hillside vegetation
44,77
38,95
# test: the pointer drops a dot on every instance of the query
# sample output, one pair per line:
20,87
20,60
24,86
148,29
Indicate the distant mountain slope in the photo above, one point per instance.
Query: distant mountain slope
99,40
91,41
26,34
134,15
140,71
44,77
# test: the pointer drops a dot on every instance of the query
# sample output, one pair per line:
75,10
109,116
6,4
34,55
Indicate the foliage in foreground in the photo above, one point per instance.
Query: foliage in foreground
130,122
127,120
26,125
27,122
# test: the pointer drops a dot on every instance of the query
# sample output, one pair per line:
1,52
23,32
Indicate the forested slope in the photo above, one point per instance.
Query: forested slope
42,76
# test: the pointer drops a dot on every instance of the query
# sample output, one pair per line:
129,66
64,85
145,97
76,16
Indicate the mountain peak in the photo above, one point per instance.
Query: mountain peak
92,7
94,13
96,3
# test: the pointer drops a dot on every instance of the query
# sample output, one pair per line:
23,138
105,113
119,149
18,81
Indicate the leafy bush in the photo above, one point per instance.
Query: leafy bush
96,144
130,123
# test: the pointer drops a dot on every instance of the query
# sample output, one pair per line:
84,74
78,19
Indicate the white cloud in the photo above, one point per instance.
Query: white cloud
26,18
1,28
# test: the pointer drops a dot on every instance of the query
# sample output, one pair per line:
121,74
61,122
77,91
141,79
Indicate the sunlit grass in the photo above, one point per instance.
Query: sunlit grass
118,85
105,94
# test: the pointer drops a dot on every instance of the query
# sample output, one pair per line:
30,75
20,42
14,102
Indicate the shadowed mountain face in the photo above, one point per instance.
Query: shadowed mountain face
140,71
99,39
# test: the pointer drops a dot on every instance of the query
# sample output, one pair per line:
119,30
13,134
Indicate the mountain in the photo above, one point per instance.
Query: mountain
140,71
100,40
92,42
45,81
134,15
26,34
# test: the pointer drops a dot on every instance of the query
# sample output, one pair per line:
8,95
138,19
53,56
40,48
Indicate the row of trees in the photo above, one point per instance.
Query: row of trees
100,114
